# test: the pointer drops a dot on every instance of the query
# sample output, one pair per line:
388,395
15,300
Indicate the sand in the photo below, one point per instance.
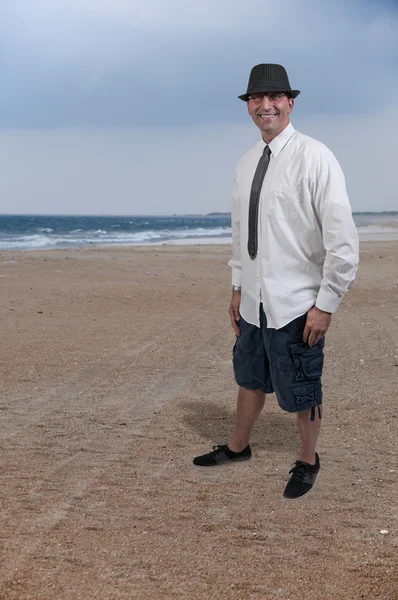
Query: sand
116,370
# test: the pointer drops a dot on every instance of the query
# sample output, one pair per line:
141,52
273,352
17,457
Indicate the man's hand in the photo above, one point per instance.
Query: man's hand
316,326
234,311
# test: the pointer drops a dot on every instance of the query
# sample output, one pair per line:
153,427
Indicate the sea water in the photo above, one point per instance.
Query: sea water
29,232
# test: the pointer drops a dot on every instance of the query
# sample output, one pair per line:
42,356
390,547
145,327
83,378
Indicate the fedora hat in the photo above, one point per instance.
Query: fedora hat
268,78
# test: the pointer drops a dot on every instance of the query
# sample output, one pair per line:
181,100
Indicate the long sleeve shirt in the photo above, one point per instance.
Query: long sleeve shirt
307,240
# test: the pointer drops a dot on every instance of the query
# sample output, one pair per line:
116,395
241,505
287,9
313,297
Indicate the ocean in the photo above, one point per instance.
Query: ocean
37,232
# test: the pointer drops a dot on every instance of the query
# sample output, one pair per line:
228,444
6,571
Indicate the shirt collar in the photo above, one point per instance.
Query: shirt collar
281,140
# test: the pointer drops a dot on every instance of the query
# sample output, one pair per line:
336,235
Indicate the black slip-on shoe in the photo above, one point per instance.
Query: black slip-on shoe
302,480
221,455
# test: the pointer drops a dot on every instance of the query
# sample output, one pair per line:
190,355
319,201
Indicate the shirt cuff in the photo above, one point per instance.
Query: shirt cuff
327,301
236,276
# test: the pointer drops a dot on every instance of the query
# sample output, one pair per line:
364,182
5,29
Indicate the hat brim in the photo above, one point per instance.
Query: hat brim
293,94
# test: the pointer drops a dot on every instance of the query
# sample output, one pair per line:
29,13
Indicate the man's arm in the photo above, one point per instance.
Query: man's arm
340,240
235,262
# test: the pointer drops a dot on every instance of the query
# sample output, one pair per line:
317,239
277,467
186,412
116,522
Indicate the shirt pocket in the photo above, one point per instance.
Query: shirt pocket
283,203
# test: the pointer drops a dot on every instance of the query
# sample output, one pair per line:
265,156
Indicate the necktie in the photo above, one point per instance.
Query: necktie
254,201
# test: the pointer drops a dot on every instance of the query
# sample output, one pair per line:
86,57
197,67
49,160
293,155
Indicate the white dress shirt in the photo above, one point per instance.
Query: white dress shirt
307,240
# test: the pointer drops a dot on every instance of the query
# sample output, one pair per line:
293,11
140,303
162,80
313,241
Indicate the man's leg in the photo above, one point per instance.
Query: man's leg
251,369
296,370
304,474
309,432
249,406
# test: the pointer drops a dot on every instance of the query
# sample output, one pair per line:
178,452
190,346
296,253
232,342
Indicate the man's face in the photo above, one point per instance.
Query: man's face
270,113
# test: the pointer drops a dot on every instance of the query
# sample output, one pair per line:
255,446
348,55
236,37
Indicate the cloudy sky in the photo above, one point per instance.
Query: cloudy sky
130,107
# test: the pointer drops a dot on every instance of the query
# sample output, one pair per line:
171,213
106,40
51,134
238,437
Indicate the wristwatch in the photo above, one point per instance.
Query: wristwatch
236,288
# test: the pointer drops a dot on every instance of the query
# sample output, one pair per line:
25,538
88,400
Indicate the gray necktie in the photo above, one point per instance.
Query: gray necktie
254,201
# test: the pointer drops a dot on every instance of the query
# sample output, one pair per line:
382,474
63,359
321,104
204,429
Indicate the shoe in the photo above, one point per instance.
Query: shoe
221,455
302,480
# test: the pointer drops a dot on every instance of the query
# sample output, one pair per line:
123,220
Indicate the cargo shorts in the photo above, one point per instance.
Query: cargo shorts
277,360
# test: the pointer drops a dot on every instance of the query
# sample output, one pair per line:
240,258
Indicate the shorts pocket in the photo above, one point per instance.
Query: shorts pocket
308,394
308,361
250,371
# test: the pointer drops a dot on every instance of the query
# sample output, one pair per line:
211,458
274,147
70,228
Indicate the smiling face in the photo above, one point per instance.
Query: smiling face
270,114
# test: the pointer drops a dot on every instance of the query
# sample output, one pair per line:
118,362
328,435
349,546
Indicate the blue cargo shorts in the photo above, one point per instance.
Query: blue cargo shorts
277,360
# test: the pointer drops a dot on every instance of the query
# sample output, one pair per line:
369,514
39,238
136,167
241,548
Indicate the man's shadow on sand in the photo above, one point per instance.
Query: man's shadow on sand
215,423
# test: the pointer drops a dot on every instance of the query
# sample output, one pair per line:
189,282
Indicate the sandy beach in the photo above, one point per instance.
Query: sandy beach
116,371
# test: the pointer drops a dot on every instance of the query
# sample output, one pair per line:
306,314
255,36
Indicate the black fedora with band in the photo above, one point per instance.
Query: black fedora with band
268,78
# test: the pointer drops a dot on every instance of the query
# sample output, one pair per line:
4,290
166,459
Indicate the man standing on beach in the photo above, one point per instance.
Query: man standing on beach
294,255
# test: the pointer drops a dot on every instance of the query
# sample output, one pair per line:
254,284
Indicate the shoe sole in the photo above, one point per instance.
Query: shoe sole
304,495
226,464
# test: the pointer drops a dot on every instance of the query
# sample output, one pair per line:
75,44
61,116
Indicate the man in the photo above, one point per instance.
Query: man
294,255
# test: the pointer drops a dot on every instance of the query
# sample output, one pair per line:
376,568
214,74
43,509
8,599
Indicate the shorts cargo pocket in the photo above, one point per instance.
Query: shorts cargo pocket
308,394
308,362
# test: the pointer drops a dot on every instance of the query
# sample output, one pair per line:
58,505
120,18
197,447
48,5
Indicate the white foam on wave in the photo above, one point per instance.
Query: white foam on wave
200,235
197,241
26,242
101,237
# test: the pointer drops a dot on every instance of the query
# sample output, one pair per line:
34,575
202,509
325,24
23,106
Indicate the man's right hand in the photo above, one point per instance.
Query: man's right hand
234,311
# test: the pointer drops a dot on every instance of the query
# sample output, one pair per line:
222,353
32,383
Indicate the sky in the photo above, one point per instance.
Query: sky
130,107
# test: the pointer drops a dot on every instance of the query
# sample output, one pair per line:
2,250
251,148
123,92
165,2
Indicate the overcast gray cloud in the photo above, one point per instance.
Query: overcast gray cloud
98,95
86,63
